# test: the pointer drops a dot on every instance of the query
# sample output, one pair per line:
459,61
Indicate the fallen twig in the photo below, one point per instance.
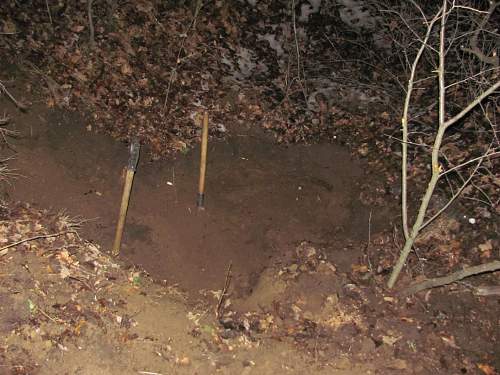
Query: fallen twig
91,24
55,320
20,105
224,291
486,290
451,278
4,120
4,250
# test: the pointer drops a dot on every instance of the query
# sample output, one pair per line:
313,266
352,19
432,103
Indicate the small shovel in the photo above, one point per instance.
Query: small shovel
129,178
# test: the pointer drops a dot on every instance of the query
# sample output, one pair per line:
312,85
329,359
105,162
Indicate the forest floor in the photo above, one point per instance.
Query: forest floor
295,224
285,270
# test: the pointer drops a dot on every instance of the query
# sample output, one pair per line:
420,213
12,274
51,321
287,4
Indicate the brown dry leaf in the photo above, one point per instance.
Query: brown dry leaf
126,69
51,102
148,101
407,320
363,150
65,272
75,58
65,257
486,247
390,340
77,28
9,27
78,327
385,116
450,341
79,76
487,369
143,82
179,145
362,268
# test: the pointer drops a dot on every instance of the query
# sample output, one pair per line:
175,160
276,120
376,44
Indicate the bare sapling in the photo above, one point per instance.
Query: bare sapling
439,46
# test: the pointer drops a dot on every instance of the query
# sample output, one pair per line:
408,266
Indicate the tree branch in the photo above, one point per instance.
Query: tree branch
474,49
455,276
475,102
404,123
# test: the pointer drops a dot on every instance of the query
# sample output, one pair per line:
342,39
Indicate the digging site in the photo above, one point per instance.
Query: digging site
249,187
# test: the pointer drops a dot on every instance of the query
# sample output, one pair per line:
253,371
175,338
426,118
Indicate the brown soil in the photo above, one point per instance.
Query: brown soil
261,199
306,294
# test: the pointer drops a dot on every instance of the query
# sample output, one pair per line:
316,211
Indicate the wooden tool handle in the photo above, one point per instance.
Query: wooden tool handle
203,161
129,177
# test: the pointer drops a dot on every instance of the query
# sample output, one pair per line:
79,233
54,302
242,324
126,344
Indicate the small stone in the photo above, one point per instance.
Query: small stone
248,363
185,361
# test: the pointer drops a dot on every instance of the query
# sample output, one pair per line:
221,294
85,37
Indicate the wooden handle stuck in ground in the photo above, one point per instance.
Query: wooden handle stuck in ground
129,177
203,163
127,188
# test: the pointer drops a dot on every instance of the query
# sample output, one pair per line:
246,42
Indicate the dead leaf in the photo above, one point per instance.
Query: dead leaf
126,69
65,257
450,341
77,28
362,268
486,247
390,340
363,150
65,272
487,369
9,27
79,76
78,327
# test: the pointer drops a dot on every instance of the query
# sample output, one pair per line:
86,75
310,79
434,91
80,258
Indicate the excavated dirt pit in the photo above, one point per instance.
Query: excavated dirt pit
261,199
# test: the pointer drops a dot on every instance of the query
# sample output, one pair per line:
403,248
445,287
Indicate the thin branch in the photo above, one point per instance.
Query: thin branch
91,24
20,105
408,143
494,153
297,48
4,250
474,48
435,156
404,124
455,276
173,72
470,8
49,13
472,77
223,293
455,195
475,102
